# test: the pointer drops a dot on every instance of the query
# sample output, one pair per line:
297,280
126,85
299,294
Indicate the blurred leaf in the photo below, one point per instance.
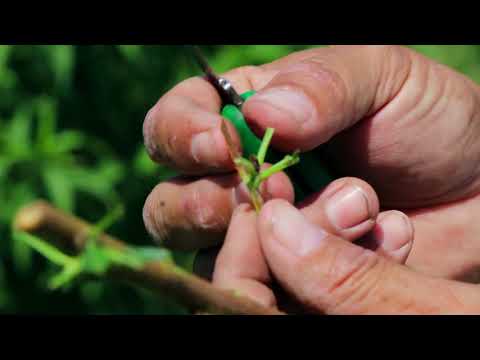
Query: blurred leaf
142,163
22,256
98,181
94,260
131,52
62,61
59,188
16,134
4,53
7,76
185,259
5,164
46,112
4,295
92,291
144,166
69,140
14,196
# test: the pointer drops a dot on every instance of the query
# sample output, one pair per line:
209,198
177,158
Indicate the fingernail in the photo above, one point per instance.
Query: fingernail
293,231
205,149
292,101
399,230
348,208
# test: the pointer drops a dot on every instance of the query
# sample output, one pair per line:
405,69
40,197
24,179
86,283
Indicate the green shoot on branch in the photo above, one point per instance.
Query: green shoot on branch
250,171
95,259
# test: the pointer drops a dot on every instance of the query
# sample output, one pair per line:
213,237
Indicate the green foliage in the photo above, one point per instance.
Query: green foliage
95,259
70,132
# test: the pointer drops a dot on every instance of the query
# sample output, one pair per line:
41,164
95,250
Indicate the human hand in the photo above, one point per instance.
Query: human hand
406,125
323,272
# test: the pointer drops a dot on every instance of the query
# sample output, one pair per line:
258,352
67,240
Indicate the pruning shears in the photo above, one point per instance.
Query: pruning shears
308,176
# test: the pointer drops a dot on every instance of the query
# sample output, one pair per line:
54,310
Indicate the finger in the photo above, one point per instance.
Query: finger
311,100
347,207
240,265
188,215
183,128
329,274
391,237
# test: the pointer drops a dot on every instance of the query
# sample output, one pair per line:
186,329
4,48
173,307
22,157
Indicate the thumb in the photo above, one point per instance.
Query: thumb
330,275
310,101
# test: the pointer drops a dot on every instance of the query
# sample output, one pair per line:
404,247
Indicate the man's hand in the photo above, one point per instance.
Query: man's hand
326,273
406,125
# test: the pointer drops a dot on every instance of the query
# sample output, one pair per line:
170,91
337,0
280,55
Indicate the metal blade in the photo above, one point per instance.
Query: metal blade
223,86
202,61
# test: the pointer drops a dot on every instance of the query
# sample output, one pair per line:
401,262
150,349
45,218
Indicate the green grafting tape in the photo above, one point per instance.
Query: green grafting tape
250,142
308,176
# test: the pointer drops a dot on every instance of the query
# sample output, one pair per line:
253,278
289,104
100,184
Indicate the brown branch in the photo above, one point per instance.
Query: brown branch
67,231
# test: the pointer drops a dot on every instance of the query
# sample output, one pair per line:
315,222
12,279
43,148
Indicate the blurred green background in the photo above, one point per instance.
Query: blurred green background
71,132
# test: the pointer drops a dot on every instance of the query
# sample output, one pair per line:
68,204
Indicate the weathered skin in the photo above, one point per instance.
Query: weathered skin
404,125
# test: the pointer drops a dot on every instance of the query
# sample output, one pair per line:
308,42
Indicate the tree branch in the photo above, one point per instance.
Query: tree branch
67,231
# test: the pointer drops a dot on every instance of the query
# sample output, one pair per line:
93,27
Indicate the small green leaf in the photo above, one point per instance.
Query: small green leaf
287,161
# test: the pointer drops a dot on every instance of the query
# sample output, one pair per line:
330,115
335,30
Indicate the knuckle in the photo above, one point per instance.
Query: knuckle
353,288
203,206
246,73
382,51
321,74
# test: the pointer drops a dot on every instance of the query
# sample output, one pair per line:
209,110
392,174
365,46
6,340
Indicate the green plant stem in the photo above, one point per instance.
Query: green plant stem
48,251
68,274
107,221
262,151
287,161
41,218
